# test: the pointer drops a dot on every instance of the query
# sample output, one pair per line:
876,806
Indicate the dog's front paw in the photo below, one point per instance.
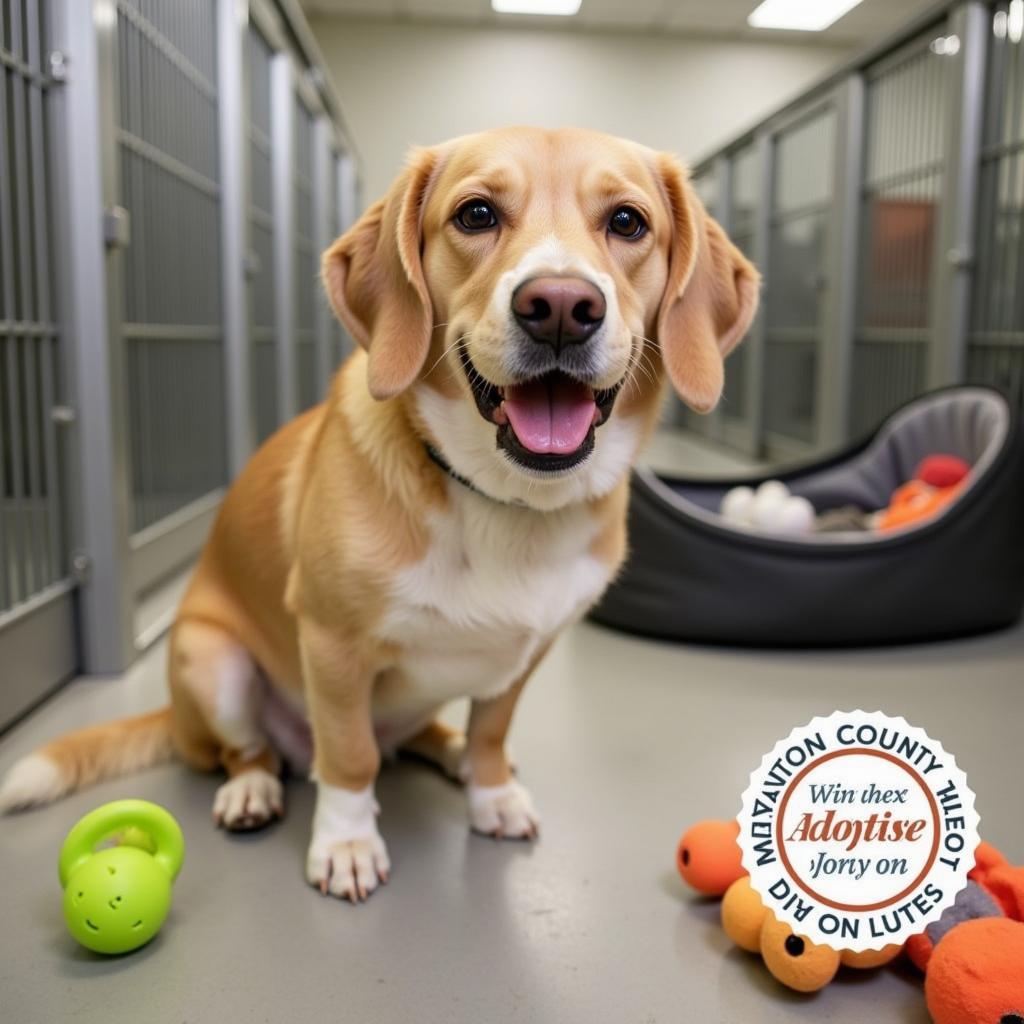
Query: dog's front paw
248,801
347,856
505,812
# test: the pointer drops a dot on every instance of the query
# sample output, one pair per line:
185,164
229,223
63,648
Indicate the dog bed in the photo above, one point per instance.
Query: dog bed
692,576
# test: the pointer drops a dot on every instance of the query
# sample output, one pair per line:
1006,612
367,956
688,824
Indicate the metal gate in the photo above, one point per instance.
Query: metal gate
37,645
906,134
995,341
171,325
802,188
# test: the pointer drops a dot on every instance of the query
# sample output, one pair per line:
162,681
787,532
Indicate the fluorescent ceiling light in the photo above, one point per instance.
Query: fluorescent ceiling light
562,7
800,15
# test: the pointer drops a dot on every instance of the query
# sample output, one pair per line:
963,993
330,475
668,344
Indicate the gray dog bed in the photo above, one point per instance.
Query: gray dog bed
693,576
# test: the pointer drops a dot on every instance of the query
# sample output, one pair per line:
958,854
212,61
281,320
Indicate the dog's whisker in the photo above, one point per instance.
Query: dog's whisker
458,341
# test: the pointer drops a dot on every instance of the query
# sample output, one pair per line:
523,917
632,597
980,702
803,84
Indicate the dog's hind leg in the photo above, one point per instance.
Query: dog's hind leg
441,746
216,693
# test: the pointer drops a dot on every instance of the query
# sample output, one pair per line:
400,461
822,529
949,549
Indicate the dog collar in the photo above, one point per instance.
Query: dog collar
442,463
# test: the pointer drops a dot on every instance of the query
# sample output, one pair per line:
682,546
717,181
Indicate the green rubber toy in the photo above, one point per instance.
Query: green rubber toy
117,898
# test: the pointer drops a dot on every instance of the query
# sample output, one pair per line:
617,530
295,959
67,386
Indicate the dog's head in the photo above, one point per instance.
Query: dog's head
525,288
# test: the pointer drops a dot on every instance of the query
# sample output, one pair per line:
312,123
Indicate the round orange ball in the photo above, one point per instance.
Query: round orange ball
976,973
795,961
708,856
743,915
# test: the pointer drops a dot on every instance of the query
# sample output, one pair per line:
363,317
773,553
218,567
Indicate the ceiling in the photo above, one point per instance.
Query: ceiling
871,20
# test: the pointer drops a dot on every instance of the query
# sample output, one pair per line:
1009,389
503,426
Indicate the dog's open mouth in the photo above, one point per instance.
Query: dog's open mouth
547,423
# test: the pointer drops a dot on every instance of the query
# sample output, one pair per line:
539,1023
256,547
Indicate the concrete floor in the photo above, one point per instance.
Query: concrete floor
623,742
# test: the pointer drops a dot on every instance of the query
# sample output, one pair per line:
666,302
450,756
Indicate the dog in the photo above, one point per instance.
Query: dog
460,497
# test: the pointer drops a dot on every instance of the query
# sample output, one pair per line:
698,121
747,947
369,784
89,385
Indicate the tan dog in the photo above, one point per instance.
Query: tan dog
459,498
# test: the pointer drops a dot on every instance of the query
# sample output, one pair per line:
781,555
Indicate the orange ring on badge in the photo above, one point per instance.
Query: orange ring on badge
852,907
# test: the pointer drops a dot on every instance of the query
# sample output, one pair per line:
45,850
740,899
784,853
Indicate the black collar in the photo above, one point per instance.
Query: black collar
439,460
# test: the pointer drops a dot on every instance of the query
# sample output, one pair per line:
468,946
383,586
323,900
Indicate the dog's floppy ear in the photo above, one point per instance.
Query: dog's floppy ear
710,298
374,279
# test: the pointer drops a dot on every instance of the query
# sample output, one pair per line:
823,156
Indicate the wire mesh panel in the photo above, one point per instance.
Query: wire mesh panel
171,317
262,307
31,528
306,277
906,130
798,237
995,350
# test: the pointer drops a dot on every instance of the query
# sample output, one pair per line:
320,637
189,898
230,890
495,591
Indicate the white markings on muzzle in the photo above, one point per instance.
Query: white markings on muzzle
551,257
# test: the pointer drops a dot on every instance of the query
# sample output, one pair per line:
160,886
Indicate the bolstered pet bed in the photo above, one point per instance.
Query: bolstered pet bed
692,576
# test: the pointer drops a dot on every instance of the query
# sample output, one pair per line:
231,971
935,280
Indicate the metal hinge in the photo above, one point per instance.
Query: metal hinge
960,259
81,566
57,61
117,227
252,265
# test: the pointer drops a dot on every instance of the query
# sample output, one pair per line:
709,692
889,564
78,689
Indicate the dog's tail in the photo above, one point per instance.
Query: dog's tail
87,756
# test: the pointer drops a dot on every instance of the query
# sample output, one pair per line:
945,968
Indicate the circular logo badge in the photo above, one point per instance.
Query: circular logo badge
858,830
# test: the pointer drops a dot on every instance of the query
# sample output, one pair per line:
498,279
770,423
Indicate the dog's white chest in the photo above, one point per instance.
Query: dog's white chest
496,583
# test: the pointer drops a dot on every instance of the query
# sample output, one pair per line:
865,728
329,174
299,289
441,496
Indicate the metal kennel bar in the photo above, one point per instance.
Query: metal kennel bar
233,89
305,252
995,342
283,209
260,266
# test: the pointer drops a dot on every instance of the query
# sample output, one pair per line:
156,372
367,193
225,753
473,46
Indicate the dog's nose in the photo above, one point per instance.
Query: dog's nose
558,311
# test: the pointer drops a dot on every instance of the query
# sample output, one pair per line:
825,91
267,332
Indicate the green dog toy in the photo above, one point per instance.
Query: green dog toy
116,898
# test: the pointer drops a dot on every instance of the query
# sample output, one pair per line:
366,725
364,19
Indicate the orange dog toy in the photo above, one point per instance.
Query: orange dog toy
973,956
937,482
709,859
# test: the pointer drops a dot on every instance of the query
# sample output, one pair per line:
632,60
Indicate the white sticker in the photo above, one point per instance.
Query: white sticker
858,830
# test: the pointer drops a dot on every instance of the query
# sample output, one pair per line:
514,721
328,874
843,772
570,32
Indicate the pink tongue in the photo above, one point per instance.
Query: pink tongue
550,416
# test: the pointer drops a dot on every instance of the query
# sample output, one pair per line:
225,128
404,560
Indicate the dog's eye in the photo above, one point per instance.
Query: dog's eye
626,223
476,215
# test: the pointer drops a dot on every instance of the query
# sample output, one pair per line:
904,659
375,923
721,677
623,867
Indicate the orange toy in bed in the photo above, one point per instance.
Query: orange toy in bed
937,482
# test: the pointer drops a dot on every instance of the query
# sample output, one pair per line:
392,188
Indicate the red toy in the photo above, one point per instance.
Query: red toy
936,483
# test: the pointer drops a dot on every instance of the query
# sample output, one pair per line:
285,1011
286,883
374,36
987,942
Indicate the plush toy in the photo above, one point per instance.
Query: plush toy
976,975
936,483
770,508
973,955
709,859
792,959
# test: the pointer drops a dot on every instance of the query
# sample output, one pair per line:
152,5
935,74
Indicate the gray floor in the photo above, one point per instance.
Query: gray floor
623,742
